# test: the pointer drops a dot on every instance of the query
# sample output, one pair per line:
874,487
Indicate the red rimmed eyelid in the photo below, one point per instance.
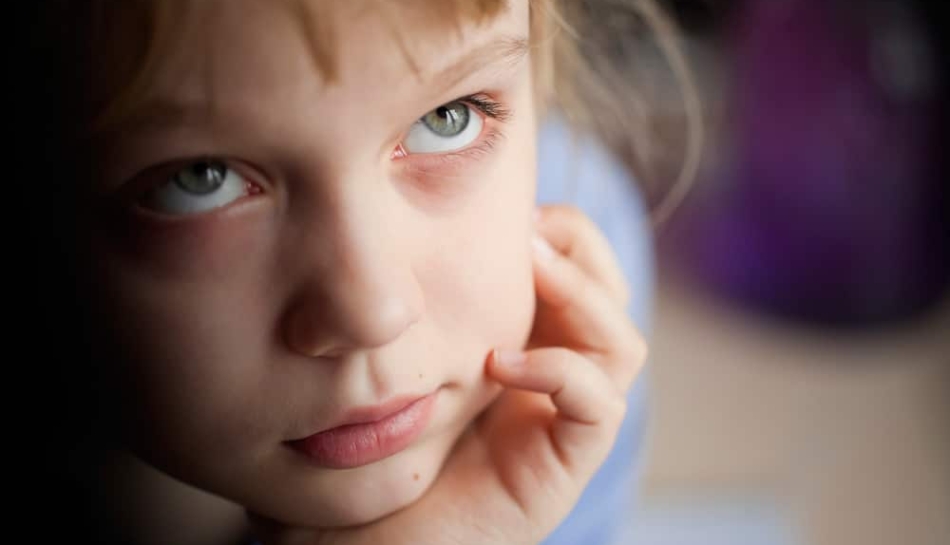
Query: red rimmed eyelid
399,153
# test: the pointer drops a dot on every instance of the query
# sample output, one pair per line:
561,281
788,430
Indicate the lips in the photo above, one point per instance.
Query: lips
369,434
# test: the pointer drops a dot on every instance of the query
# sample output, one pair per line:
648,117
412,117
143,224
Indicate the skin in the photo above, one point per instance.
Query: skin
350,279
352,274
527,459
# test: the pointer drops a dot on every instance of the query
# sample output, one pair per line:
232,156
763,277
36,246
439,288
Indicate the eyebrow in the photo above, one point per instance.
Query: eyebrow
507,51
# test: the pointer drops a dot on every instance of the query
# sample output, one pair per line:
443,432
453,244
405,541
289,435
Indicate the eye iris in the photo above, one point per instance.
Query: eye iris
201,178
448,120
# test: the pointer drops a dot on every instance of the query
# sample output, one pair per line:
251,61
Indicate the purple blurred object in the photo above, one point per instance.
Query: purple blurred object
831,206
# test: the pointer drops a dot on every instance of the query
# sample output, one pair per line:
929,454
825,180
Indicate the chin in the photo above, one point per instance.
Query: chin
325,498
352,497
381,489
369,509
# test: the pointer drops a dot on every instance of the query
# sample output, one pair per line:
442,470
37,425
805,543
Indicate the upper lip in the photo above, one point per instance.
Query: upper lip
371,413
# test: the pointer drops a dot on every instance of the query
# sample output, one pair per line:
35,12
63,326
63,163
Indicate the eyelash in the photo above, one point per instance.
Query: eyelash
490,108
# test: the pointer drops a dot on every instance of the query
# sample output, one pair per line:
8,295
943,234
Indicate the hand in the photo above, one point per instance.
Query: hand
523,464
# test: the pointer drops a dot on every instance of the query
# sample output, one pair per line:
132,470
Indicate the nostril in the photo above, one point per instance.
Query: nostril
300,334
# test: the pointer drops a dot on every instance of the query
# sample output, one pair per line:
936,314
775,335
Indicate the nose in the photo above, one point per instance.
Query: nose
359,290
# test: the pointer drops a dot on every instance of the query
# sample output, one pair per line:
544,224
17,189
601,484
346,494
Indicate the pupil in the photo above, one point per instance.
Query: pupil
202,177
447,120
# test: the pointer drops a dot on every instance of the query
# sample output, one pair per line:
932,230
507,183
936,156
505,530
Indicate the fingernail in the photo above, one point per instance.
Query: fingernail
510,358
542,248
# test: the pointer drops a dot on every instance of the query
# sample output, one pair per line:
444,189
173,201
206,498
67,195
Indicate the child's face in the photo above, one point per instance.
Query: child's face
329,254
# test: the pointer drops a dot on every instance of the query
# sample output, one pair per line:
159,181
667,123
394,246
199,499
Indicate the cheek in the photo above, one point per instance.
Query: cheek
479,276
187,341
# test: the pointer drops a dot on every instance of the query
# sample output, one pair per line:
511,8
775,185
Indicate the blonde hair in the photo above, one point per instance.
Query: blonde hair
588,65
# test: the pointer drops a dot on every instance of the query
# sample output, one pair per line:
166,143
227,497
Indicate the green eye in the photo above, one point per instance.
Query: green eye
452,126
448,120
201,178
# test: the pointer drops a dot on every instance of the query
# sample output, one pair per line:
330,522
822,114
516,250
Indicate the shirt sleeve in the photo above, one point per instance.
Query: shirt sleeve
578,171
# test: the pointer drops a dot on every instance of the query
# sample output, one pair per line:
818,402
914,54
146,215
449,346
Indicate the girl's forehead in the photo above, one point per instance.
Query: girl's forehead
334,28
199,44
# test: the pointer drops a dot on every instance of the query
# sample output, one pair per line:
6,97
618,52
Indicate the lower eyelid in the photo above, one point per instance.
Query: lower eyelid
442,163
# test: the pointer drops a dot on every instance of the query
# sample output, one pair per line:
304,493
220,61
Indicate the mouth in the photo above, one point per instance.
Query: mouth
369,434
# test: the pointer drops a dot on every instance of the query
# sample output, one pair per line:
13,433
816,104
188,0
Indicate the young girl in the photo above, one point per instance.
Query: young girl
319,301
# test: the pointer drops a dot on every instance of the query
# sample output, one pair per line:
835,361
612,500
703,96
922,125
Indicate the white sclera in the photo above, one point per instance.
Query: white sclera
422,139
170,198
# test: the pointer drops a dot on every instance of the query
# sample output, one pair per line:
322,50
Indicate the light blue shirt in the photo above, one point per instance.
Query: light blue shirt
580,172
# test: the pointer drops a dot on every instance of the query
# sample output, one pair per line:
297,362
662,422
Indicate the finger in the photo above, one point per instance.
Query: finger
573,234
590,408
586,315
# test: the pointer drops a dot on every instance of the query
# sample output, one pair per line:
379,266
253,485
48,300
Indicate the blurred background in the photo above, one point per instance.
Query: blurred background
801,349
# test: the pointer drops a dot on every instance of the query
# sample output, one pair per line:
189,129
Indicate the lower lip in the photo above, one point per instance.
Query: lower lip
357,445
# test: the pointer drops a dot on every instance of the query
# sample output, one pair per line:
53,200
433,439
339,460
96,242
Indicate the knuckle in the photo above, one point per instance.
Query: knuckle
585,288
623,293
575,218
615,408
641,347
565,212
634,347
630,356
562,360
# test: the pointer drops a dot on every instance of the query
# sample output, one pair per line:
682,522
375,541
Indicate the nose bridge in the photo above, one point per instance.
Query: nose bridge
367,294
375,291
